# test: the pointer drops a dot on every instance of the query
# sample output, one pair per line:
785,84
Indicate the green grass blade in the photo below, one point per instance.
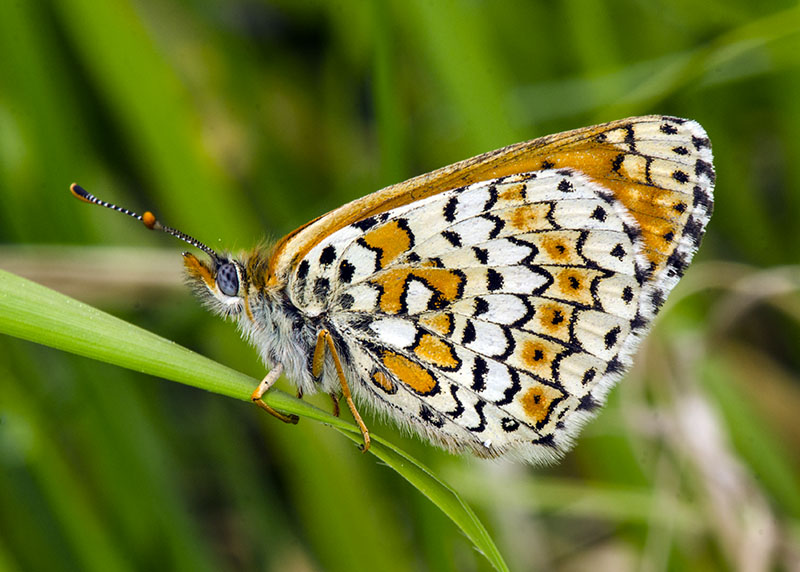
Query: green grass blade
35,313
439,494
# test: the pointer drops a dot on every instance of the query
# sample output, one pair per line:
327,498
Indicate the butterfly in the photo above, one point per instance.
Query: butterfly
488,306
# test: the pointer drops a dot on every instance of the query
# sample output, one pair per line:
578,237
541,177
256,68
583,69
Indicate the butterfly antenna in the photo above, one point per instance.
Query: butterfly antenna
148,218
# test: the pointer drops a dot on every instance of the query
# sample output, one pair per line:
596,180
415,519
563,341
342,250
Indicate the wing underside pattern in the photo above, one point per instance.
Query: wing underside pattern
495,317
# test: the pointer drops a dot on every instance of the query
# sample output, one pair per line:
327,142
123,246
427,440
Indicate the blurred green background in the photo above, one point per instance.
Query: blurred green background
236,121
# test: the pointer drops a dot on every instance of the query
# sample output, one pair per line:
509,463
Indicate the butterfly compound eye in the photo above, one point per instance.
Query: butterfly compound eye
228,279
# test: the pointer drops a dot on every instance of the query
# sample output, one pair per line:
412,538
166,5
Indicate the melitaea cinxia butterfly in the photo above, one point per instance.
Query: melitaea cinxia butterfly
490,305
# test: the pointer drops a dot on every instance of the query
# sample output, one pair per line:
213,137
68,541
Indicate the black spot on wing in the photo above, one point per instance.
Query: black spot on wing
617,162
644,274
479,371
701,142
694,230
450,209
704,168
614,366
599,214
481,254
346,271
638,322
494,280
366,223
611,337
469,333
546,441
452,237
627,294
481,306
302,270
668,129
677,263
680,176
327,255
429,416
701,198
588,403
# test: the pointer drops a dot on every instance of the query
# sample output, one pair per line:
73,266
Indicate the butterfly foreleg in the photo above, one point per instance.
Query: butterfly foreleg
324,339
268,381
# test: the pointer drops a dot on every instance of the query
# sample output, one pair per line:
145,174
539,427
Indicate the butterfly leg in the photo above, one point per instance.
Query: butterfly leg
324,338
316,367
335,400
268,381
